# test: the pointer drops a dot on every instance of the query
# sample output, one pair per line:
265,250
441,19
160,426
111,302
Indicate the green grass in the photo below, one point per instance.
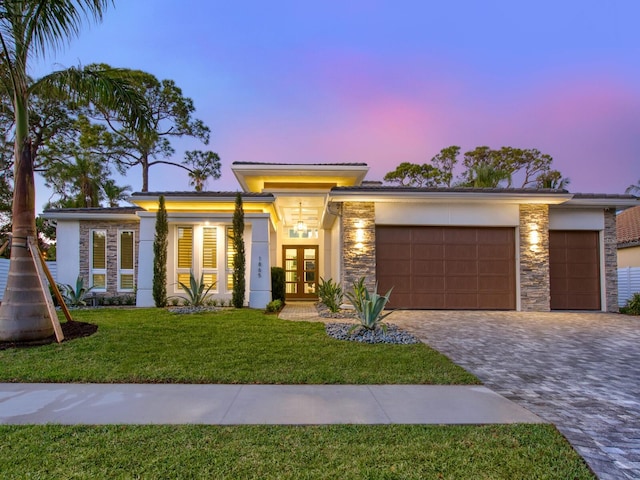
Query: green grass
286,452
231,346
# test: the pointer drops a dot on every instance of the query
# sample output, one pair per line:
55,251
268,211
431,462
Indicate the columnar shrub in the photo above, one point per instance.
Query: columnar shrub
160,256
239,255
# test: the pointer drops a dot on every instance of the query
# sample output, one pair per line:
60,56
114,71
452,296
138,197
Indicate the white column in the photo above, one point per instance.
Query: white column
260,277
144,297
68,251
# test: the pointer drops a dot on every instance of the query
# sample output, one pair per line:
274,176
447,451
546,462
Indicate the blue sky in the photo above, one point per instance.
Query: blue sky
383,82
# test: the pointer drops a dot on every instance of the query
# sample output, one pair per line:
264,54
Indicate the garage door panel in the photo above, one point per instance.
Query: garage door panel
394,267
459,283
423,267
459,267
492,252
496,266
393,235
494,283
459,252
426,252
487,236
574,270
449,267
428,284
430,236
460,236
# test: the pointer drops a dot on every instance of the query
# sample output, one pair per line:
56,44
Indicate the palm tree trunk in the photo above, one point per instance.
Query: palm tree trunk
23,313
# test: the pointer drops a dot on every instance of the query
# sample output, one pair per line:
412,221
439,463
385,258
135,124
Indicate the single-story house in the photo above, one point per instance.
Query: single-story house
439,248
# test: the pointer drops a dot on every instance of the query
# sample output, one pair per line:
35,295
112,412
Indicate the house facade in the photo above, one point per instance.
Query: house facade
439,248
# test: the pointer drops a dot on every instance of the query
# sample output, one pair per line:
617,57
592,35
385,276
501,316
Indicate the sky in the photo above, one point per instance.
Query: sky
385,82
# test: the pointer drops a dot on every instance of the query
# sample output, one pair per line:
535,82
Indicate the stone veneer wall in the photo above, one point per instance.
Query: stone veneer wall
112,228
610,260
535,288
358,243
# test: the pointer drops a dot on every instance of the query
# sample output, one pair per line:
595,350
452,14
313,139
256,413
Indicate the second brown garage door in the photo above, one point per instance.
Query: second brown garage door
447,267
574,264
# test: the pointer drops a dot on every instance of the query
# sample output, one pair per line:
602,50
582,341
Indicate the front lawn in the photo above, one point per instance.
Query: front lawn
287,452
230,346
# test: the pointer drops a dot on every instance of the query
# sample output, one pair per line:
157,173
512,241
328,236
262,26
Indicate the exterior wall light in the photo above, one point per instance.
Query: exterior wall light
534,237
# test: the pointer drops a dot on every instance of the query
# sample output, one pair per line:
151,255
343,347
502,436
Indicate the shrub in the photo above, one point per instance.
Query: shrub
239,260
75,296
160,243
369,306
330,293
277,284
196,292
274,306
633,305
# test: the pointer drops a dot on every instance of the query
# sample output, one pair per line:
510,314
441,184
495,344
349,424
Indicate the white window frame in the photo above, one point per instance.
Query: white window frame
98,271
126,271
197,257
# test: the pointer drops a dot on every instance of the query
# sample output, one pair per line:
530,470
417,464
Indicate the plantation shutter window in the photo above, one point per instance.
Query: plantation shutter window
98,267
210,256
185,254
126,274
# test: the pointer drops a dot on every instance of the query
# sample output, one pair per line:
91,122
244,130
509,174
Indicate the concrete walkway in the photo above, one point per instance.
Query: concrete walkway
71,404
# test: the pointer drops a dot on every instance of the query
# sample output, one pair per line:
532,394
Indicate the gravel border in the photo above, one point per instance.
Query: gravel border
394,334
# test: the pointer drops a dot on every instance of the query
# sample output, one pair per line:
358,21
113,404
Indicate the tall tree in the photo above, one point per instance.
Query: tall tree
239,256
160,256
30,29
172,115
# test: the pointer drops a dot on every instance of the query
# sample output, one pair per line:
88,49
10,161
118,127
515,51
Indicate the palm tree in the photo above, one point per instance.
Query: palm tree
28,29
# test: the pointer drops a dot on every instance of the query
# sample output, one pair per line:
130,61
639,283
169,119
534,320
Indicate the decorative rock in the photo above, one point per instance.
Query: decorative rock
340,331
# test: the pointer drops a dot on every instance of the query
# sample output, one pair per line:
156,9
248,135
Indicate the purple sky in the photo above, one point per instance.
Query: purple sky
384,82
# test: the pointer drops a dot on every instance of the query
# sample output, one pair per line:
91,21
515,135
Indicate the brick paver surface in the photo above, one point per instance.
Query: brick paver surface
580,371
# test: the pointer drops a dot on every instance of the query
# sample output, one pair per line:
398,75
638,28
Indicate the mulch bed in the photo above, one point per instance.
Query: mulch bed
71,330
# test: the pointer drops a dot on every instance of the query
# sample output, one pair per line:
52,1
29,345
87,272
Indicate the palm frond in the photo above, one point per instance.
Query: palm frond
109,88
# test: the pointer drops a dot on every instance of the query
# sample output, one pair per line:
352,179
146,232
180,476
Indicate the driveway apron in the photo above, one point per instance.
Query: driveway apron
580,371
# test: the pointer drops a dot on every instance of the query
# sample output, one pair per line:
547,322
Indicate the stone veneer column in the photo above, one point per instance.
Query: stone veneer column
534,258
610,261
358,243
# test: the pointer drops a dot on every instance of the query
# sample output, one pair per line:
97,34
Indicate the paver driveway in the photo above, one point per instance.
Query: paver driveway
580,371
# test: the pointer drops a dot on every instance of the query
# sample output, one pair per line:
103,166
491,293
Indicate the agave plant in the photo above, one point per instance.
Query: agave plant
75,296
196,291
369,306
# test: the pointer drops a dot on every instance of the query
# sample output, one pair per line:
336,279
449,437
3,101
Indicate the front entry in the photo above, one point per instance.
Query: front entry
301,271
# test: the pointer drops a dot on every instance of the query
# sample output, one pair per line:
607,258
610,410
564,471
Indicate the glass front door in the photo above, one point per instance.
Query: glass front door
301,271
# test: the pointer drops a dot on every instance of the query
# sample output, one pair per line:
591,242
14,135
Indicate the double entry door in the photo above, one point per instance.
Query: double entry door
301,271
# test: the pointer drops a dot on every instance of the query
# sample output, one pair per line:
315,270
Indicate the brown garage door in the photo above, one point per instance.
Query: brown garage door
574,264
447,267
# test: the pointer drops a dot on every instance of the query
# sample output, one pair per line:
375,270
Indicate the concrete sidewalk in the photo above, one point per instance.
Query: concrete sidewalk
69,404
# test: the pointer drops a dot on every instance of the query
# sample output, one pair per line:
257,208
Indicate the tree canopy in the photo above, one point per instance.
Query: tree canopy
482,167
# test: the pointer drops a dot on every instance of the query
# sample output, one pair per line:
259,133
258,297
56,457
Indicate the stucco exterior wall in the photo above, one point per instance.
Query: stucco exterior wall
629,257
67,252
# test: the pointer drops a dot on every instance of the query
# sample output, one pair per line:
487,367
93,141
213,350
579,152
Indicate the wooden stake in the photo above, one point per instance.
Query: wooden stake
4,246
38,261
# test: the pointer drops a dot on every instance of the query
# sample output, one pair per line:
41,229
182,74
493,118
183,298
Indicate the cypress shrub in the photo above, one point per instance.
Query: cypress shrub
160,256
239,260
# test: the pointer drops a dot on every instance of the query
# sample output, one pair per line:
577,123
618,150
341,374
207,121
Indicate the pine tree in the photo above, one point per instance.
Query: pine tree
239,256
160,256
